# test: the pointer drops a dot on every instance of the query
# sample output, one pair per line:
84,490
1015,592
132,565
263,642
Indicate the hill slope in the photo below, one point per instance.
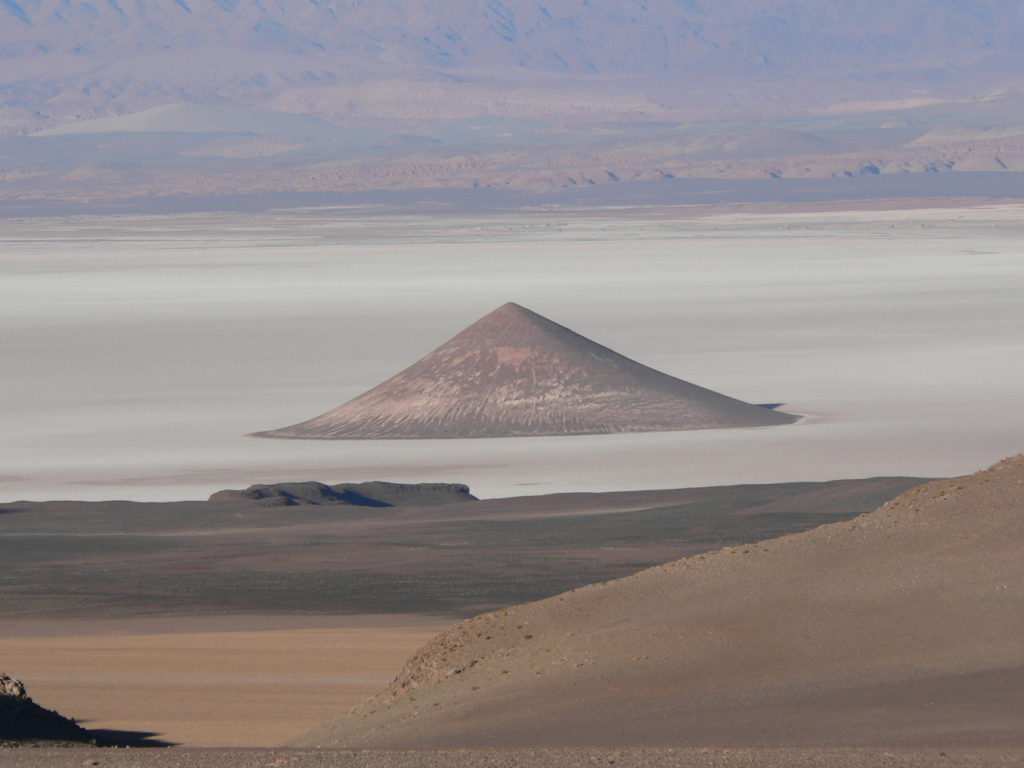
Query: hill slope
516,373
904,626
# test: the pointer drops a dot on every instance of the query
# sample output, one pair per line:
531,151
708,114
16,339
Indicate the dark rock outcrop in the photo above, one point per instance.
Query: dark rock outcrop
370,494
22,721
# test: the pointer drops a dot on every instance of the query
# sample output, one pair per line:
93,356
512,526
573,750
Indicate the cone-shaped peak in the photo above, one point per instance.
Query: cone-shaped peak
514,372
511,314
510,309
513,323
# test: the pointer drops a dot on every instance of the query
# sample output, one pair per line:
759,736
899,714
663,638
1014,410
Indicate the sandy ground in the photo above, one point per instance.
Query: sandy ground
147,348
249,681
534,758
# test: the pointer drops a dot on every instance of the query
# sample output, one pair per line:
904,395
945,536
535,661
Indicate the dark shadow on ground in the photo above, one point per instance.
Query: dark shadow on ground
110,738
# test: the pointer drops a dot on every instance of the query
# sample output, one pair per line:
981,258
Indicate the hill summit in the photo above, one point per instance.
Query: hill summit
516,373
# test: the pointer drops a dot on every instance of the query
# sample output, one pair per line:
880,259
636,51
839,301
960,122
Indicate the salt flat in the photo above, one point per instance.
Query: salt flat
139,351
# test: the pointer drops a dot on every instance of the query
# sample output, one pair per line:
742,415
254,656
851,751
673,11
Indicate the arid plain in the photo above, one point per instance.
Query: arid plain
896,335
505,383
238,624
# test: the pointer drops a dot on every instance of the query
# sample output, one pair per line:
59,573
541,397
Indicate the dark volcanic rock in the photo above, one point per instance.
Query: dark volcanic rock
22,721
516,373
371,494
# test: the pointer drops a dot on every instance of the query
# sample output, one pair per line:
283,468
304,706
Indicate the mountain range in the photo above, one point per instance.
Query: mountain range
108,56
292,95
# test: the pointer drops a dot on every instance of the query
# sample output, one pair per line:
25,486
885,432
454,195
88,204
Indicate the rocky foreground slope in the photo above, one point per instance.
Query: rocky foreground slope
902,627
515,373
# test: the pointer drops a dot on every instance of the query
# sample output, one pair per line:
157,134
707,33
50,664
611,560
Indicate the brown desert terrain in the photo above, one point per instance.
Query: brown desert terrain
202,681
251,618
515,373
891,638
900,628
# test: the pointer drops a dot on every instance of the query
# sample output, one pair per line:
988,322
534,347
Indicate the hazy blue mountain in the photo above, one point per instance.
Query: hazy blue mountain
89,53
229,95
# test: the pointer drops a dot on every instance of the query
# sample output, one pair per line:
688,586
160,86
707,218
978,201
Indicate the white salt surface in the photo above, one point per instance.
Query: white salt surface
137,352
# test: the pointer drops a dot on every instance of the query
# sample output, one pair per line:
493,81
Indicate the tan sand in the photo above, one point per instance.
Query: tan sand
192,681
902,627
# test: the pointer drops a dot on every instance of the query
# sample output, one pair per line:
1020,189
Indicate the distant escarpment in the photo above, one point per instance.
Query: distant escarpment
515,373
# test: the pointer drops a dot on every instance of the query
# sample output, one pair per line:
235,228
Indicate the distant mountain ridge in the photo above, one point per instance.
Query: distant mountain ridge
86,58
348,95
597,37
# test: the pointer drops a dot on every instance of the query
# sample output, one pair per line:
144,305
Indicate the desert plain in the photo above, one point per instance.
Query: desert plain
897,337
239,624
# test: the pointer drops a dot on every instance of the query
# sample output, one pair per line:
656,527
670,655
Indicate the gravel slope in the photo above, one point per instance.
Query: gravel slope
903,627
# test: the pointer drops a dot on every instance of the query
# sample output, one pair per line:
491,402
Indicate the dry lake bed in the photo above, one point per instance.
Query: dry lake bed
139,351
